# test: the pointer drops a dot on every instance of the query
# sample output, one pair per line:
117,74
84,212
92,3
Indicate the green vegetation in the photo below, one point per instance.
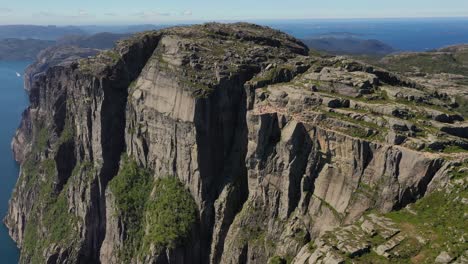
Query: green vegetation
131,188
272,74
42,140
163,220
58,221
277,260
415,106
32,240
85,168
332,209
57,227
199,90
435,223
132,87
252,230
462,105
170,215
162,63
429,62
85,66
50,221
112,54
440,218
460,171
372,258
377,132
454,149
67,133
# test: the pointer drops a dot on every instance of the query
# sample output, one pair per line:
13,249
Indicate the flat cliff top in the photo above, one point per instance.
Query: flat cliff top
366,102
338,93
203,55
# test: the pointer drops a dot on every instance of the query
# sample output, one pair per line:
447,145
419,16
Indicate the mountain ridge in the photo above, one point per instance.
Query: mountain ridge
274,146
349,46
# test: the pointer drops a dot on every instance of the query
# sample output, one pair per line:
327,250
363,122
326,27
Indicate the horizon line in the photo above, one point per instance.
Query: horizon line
251,20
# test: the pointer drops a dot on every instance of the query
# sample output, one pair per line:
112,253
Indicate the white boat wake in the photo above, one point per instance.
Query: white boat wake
18,74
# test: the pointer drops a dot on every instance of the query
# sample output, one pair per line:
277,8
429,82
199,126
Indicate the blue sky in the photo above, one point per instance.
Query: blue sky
65,12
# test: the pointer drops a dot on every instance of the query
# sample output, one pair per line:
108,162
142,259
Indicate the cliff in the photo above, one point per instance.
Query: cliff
220,144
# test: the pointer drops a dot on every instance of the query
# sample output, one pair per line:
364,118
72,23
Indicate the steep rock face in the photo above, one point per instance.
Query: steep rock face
274,147
71,156
175,129
53,56
305,179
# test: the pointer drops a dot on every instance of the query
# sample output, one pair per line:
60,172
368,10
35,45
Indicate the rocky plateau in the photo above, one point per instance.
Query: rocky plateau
231,143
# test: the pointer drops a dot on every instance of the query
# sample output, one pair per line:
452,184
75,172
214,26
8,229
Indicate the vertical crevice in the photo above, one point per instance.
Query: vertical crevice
113,124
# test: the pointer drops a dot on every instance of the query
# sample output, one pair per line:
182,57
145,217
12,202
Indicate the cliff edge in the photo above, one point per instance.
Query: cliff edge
222,143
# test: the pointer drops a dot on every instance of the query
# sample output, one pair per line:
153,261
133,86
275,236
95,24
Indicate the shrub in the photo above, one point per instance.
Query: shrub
131,188
170,215
162,220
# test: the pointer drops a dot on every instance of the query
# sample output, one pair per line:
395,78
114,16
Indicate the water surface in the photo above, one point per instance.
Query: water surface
402,34
13,100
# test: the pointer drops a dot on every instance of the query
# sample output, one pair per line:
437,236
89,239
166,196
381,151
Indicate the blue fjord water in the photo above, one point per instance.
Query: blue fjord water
13,101
402,34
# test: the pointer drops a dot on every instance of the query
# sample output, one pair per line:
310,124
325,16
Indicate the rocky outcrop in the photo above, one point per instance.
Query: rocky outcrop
71,155
54,56
409,235
67,50
275,148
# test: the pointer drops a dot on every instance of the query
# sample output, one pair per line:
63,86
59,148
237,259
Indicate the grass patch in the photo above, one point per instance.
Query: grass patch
378,132
439,218
426,62
462,106
454,149
42,140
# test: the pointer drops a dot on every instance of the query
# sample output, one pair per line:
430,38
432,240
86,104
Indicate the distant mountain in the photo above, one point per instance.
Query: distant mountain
122,29
19,49
349,45
28,49
97,41
38,32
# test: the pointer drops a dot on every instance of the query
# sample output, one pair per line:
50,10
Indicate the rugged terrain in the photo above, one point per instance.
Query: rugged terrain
231,144
444,70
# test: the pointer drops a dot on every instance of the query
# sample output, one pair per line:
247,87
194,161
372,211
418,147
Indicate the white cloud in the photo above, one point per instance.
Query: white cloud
110,14
81,13
158,14
151,14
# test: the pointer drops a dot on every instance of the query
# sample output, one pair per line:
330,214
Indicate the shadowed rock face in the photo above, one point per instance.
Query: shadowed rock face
274,146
